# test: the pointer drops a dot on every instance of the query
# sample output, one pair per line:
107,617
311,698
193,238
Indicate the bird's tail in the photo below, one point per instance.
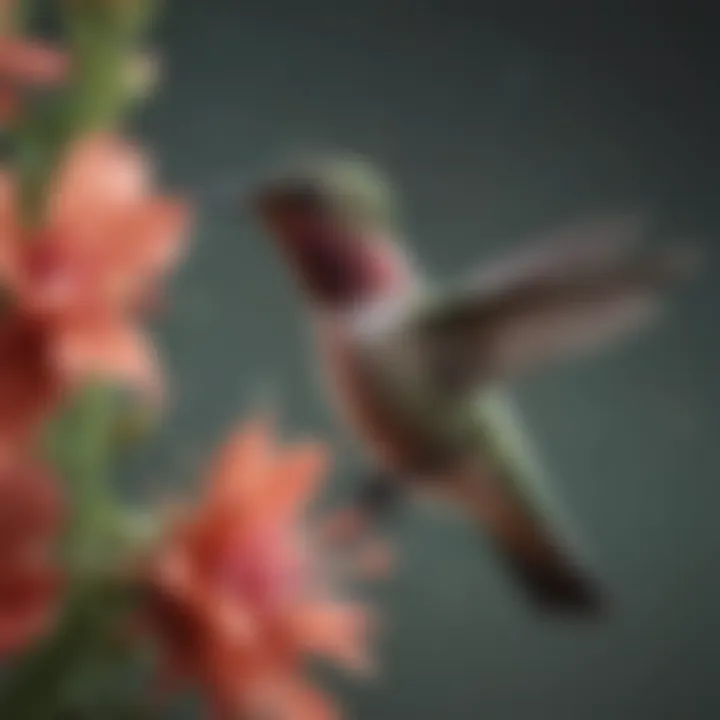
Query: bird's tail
505,495
547,566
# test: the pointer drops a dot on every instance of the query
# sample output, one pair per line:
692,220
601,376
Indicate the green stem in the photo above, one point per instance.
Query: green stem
101,36
84,449
80,447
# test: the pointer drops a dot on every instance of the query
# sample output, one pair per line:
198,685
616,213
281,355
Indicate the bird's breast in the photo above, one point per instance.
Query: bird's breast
373,400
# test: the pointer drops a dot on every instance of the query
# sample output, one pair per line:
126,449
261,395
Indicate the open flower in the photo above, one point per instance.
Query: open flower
106,240
30,514
83,274
239,593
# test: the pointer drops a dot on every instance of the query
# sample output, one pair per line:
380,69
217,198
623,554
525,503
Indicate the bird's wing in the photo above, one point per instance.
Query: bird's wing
564,251
549,303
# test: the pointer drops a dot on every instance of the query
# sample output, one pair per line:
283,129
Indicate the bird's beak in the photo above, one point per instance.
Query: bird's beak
286,211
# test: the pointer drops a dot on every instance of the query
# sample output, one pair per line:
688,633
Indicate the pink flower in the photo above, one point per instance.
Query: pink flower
81,276
240,593
30,582
24,63
28,62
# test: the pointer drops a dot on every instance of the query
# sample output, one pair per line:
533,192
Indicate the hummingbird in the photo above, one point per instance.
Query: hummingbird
418,372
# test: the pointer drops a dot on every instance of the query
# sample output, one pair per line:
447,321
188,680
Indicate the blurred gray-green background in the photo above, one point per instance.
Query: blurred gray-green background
499,120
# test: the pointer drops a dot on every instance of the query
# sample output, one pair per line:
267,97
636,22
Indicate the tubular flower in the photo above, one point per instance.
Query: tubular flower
240,593
30,515
25,63
102,250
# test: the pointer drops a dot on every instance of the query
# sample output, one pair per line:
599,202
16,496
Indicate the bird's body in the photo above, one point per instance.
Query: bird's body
466,449
364,389
417,373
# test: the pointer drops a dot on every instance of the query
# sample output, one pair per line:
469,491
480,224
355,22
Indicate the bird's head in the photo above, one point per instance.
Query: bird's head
334,220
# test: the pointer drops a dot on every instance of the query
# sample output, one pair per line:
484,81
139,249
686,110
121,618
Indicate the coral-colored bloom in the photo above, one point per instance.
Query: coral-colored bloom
25,63
103,248
106,239
239,594
30,514
28,62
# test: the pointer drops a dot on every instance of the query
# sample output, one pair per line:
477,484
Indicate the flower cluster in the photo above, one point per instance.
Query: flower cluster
77,283
238,593
234,591
74,288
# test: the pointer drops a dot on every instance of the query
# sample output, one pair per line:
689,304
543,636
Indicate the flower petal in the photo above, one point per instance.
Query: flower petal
28,383
302,702
295,478
109,349
23,587
336,631
145,244
278,698
8,104
102,175
9,229
20,628
29,62
30,505
240,470
151,237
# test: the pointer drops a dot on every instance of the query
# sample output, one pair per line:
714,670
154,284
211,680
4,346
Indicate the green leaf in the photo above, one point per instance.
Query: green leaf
80,445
